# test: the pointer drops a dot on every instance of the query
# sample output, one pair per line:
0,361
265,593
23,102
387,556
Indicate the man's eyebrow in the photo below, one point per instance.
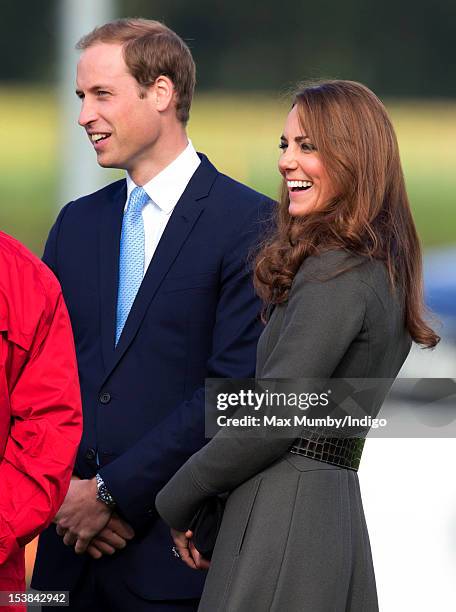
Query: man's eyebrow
95,88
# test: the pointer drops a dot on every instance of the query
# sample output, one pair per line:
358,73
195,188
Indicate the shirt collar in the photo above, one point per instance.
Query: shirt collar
167,186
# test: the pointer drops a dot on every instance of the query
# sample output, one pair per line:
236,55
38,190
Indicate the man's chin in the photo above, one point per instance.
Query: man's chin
105,162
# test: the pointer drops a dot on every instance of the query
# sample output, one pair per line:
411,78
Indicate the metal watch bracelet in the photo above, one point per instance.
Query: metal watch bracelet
103,494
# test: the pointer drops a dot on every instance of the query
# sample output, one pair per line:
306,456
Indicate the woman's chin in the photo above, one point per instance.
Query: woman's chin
299,209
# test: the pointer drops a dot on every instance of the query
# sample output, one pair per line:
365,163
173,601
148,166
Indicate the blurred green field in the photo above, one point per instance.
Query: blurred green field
240,135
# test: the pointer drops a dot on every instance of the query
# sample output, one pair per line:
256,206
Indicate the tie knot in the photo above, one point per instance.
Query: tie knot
138,199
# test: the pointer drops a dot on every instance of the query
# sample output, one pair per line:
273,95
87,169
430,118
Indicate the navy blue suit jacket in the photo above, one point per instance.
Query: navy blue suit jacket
195,316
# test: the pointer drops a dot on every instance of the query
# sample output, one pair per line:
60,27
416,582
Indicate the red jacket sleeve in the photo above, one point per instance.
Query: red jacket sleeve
45,421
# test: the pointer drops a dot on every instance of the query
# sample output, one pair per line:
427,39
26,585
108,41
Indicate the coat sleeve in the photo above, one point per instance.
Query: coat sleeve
135,478
46,425
321,321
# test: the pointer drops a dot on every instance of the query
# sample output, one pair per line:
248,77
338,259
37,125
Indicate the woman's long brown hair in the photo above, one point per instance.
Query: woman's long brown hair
371,216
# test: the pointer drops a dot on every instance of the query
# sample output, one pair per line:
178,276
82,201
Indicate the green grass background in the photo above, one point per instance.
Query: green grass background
240,134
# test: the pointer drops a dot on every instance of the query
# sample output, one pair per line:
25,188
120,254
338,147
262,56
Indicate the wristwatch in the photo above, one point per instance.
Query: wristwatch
103,494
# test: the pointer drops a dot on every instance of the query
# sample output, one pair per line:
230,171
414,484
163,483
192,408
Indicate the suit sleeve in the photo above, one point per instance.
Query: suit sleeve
46,424
50,249
135,478
321,321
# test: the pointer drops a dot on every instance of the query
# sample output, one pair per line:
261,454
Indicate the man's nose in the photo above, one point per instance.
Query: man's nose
87,114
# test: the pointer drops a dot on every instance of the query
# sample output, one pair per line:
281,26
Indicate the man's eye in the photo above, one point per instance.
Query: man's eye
102,93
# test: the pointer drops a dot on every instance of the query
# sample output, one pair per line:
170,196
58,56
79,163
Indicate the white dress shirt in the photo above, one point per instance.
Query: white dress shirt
164,191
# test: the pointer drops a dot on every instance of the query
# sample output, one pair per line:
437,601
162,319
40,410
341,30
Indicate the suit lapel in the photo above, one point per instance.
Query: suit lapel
108,257
179,226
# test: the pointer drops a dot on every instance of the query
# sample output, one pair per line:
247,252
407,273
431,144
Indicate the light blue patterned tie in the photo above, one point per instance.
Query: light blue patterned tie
131,260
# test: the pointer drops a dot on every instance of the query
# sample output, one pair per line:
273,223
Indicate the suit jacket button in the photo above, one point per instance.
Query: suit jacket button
105,397
90,454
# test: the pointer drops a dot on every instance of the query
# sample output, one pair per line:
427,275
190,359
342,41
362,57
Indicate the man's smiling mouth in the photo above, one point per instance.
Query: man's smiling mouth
98,137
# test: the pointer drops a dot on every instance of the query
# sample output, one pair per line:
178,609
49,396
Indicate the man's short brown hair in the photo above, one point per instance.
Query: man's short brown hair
150,50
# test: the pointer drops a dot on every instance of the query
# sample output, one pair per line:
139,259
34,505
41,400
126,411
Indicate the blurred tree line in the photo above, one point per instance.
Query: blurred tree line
397,47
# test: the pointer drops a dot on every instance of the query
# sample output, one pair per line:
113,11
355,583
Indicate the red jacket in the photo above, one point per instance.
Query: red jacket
40,404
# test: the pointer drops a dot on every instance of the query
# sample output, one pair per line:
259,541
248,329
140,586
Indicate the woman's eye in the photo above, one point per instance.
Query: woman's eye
307,147
283,145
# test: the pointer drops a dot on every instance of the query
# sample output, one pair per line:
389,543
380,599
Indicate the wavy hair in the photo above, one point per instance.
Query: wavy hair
370,216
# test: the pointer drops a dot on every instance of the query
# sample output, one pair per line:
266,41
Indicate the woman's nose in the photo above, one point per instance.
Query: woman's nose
287,161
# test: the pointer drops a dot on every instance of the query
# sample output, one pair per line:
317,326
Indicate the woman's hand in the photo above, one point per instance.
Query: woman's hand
187,551
200,561
182,544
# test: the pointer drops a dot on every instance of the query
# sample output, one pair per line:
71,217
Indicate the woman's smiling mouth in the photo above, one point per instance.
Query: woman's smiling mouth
299,185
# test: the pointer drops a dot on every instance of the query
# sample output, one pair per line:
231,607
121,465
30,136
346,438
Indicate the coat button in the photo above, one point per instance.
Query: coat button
90,454
105,397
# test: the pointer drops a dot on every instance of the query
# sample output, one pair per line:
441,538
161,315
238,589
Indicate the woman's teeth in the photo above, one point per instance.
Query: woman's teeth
298,185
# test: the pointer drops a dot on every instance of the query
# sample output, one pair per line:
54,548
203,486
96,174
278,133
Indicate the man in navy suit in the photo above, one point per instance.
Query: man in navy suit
154,271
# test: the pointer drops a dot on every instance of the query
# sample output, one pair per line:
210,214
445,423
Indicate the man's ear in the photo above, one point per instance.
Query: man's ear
162,92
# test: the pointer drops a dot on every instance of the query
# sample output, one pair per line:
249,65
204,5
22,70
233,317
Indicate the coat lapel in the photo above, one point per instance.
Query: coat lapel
180,224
